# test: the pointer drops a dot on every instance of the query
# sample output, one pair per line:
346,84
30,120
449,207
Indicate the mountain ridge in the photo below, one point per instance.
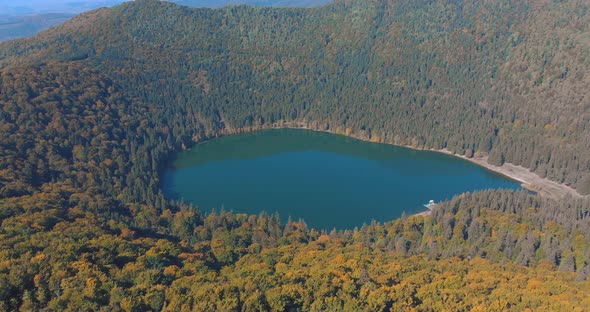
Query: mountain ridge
15,24
350,38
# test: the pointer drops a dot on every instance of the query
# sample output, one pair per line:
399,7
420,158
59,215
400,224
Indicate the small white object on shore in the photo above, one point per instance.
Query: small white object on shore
430,204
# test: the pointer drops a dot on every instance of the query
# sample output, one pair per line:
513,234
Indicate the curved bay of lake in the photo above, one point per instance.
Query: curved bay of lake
330,181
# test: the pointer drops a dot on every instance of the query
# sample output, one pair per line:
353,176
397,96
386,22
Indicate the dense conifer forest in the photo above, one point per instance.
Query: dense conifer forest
92,109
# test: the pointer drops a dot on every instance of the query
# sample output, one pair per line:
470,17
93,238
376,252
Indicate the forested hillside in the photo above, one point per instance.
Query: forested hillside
478,79
19,19
92,108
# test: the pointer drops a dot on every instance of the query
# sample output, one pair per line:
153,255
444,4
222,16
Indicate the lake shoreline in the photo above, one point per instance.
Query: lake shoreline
528,180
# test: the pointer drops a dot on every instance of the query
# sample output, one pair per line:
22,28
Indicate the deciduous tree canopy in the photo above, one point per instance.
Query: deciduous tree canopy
92,108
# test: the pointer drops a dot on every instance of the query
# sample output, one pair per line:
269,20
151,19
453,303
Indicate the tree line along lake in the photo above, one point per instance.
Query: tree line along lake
328,180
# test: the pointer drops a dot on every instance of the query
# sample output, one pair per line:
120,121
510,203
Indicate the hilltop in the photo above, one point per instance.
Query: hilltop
19,20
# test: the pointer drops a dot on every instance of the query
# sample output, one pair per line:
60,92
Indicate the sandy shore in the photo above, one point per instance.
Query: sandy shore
423,213
528,179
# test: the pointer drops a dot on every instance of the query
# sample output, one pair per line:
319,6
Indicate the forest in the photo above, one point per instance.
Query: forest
91,109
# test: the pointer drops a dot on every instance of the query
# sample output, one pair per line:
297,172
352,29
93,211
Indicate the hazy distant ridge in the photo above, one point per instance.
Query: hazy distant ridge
22,20
23,26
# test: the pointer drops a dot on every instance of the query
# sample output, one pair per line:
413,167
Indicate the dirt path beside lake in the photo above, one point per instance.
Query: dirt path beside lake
528,179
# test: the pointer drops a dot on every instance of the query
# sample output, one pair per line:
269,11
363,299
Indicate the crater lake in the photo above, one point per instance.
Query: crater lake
328,180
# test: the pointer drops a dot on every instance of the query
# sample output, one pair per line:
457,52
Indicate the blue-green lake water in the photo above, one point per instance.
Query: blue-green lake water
330,181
